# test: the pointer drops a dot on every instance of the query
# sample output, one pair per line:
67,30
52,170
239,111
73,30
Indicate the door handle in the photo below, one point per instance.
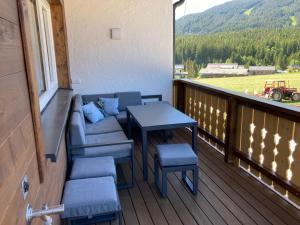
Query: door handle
44,213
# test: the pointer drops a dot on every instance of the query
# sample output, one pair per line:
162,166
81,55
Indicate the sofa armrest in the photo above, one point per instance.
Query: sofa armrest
159,97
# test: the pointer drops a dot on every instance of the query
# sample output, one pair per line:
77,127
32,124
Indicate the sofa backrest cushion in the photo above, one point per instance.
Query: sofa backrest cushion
128,99
96,97
77,133
110,105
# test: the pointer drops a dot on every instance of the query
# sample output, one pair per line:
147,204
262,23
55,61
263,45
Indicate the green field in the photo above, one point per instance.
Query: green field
252,84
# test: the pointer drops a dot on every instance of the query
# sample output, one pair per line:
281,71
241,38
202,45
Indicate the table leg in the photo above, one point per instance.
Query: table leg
128,124
145,153
194,138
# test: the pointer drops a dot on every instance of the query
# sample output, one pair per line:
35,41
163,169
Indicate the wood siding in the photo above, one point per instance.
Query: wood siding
17,142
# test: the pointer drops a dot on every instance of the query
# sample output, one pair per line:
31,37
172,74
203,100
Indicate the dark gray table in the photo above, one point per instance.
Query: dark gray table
158,117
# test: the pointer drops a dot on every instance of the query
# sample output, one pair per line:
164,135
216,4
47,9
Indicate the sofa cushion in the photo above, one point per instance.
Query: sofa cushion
176,155
128,99
92,113
77,133
116,151
111,105
96,97
90,197
93,167
77,107
108,124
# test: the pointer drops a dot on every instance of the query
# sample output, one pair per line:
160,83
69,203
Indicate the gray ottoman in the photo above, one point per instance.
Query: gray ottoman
91,200
175,157
93,167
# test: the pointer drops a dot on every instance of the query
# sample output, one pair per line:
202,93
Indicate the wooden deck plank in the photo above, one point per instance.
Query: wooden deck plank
240,182
226,194
231,198
213,208
153,208
176,201
164,204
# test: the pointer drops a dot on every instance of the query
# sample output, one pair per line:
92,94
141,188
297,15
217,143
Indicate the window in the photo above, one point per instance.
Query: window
43,50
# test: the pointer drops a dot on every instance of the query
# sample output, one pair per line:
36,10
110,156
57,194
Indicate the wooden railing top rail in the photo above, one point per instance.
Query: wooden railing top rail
272,107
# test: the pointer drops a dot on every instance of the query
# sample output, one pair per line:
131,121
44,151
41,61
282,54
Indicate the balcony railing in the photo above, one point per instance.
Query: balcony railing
260,136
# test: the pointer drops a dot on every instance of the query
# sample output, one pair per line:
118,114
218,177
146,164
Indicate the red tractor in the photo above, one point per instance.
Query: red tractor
278,90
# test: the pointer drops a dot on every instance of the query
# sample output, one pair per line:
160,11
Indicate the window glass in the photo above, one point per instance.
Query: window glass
35,39
43,50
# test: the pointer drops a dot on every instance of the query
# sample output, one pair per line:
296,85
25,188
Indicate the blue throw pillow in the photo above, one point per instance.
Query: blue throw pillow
110,105
92,113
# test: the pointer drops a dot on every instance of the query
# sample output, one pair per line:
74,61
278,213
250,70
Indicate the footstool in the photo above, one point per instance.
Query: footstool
175,157
93,167
92,200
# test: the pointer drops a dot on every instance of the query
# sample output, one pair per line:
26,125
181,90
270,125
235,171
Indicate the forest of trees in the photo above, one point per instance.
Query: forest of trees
263,46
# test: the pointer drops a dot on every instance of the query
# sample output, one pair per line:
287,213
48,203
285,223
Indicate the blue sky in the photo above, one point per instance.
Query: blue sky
194,6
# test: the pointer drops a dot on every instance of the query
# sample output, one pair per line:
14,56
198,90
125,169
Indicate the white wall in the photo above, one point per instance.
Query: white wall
142,60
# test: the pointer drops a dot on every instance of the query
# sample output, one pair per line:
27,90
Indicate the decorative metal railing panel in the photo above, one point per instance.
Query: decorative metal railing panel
260,136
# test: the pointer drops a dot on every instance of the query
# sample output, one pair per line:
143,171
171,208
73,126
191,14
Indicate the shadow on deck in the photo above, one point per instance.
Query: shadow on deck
226,194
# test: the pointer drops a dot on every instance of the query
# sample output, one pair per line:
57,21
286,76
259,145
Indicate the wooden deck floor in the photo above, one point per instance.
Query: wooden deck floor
226,195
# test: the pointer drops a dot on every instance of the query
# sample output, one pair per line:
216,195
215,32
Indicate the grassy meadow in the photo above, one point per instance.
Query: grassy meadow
252,84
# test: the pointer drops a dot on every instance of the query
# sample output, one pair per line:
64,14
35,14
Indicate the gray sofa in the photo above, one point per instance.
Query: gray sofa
125,99
106,137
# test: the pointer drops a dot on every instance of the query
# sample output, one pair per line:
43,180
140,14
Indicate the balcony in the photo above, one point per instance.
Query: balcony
248,148
226,194
237,185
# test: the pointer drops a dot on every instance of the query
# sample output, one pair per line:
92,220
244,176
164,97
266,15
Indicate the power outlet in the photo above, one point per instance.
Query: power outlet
25,187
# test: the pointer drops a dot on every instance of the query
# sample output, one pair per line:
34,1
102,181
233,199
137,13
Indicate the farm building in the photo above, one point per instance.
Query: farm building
262,70
180,72
223,70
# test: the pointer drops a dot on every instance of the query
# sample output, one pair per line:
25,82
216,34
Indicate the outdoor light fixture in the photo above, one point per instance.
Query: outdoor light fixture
116,34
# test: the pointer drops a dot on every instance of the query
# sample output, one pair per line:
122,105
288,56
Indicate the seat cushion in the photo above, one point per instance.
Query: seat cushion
128,99
90,197
92,113
176,155
108,124
116,151
93,167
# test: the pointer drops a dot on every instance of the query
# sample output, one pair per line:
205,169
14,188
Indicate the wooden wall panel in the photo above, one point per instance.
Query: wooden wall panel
17,138
11,55
8,10
14,102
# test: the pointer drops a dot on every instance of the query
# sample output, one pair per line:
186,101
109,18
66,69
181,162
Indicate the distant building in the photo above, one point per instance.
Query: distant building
295,67
179,67
222,66
262,70
180,72
223,70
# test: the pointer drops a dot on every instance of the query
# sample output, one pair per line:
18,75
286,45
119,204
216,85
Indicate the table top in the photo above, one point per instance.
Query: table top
157,116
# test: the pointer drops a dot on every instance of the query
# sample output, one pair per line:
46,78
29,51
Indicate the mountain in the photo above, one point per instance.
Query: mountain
239,15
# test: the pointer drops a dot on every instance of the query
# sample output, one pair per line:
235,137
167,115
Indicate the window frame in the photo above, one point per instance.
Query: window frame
45,33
